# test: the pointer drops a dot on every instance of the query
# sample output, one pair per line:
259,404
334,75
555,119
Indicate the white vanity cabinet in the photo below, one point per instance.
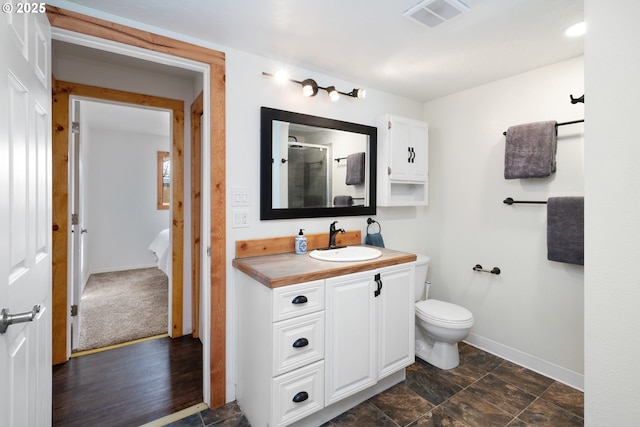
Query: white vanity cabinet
310,351
403,161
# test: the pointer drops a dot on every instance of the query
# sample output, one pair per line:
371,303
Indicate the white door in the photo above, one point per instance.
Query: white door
25,215
77,231
350,343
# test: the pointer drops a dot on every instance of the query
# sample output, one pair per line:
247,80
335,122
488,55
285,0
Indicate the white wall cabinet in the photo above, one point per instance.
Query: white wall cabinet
403,161
307,349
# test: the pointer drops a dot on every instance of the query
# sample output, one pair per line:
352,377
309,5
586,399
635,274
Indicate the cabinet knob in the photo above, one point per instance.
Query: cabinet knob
301,397
300,299
301,342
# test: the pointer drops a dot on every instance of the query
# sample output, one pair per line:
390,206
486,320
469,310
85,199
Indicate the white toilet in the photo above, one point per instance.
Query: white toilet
439,325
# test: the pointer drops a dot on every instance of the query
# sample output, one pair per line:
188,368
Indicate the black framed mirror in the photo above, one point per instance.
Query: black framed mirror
315,167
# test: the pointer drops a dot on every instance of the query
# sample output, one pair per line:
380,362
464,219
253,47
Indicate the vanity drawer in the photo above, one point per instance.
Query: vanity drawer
298,394
296,300
297,342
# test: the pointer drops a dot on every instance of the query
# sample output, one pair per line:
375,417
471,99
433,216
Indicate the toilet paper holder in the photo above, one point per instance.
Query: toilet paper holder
494,270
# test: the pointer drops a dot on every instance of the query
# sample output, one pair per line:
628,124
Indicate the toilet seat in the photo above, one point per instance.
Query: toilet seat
443,313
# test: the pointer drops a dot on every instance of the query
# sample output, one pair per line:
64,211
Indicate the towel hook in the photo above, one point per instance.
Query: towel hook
371,221
494,270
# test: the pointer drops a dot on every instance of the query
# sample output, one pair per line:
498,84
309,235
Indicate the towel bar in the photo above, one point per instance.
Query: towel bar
510,201
494,270
561,124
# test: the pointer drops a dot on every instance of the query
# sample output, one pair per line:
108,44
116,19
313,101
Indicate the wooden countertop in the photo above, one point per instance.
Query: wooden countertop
289,268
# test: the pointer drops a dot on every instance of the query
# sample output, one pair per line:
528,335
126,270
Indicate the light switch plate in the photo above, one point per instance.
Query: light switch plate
240,218
240,196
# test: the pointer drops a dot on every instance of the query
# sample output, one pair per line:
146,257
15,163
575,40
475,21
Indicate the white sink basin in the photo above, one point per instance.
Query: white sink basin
348,253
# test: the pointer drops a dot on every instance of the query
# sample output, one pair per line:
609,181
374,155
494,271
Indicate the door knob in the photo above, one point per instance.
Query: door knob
7,319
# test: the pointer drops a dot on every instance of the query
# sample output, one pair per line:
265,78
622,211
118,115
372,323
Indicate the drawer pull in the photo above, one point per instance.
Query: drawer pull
301,397
300,299
301,342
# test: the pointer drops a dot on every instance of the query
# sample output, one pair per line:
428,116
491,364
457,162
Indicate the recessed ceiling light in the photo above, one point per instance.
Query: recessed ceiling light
576,30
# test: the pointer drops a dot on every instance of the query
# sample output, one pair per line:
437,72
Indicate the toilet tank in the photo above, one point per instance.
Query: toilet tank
422,266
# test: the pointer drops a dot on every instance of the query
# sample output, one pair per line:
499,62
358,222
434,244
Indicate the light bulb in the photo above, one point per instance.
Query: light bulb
309,87
281,76
333,93
576,30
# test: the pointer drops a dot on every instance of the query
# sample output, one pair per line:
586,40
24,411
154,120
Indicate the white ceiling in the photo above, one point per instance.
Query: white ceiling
369,42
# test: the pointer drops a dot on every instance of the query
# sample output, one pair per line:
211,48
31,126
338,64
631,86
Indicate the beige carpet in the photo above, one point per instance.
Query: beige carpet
123,306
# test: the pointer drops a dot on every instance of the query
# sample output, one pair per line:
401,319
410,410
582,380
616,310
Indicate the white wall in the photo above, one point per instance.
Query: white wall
120,179
532,313
612,213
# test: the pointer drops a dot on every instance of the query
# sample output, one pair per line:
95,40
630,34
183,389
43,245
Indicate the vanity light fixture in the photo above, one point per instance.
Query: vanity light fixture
311,88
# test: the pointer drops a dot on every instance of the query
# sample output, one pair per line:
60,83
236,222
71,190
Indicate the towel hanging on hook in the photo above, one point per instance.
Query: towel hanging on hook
374,239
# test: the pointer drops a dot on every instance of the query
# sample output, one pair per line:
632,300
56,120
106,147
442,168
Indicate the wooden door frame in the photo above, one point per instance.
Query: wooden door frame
75,22
197,109
62,91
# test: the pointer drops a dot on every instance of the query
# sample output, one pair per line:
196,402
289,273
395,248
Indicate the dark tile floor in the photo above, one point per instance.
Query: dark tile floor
484,390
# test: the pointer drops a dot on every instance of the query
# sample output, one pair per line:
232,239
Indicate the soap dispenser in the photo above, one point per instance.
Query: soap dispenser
301,243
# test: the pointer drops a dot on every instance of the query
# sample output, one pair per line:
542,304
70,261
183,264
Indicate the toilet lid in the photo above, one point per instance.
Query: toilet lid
443,311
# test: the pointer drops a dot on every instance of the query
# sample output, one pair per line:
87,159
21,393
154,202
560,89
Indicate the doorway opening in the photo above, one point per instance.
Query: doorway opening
120,261
83,30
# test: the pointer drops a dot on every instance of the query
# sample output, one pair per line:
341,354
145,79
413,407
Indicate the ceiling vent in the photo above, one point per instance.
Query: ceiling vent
434,12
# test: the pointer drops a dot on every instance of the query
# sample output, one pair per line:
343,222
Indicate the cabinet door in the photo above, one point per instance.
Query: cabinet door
350,346
399,151
408,150
396,322
419,148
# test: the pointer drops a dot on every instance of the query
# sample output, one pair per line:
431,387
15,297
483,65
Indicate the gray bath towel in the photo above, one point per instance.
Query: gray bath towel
565,229
343,201
530,150
355,169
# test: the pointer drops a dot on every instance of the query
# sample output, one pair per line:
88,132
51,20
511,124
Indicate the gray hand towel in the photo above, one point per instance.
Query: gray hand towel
530,150
355,169
565,229
343,201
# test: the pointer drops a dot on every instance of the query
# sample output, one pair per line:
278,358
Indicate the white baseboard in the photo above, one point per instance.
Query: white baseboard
534,363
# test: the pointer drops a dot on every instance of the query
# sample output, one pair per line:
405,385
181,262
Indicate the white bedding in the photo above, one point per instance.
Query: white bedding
161,250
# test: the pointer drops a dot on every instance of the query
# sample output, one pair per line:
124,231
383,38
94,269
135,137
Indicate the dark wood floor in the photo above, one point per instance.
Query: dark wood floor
128,386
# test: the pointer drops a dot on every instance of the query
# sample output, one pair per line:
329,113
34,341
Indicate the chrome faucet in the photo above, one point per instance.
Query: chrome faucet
332,234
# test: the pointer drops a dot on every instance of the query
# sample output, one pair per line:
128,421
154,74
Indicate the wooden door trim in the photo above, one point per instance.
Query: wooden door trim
71,21
197,109
61,93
